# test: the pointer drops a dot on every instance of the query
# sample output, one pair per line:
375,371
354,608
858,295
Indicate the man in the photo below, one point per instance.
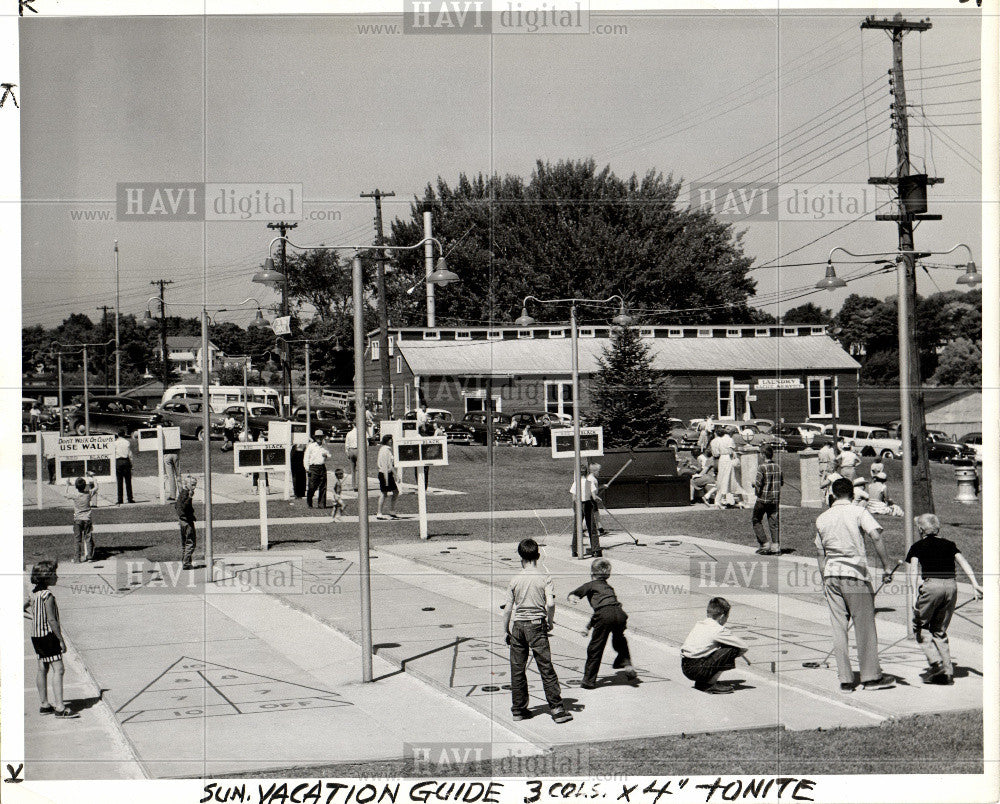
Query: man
228,432
123,465
172,471
351,448
840,533
315,463
185,518
767,487
35,415
590,501
848,460
424,426
931,568
827,456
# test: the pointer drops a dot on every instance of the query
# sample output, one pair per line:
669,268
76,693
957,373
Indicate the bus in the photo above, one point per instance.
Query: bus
221,396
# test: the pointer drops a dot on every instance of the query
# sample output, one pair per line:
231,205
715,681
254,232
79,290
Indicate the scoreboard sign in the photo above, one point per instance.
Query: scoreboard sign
78,456
398,428
417,451
261,457
591,442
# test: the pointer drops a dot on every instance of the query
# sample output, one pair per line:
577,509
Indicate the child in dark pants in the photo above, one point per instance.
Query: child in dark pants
711,649
609,619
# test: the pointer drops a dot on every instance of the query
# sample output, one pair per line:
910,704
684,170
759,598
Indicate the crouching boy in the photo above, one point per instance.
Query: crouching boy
711,649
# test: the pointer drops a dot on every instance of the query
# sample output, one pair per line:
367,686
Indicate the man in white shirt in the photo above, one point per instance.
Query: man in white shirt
351,449
843,564
123,465
590,501
847,461
228,432
315,463
386,479
827,457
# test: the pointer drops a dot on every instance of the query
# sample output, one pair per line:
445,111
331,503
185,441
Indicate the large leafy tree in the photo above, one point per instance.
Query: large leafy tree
572,230
960,363
807,313
630,398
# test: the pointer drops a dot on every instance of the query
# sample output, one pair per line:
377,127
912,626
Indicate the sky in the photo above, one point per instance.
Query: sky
315,101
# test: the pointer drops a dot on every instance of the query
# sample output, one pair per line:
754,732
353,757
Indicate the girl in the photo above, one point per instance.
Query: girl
47,638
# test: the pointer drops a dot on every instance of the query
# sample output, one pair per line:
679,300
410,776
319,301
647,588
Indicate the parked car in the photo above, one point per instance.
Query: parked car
456,432
328,418
682,436
975,442
757,437
798,438
257,419
188,414
946,450
47,421
540,423
109,414
476,419
869,441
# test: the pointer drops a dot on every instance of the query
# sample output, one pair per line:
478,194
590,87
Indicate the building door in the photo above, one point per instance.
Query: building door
741,403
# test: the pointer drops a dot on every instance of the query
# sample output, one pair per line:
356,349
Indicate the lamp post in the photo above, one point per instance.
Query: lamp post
206,412
622,319
440,276
830,282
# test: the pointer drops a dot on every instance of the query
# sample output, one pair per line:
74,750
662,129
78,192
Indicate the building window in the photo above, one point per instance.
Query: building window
704,333
406,397
392,345
734,332
586,332
818,330
399,365
647,332
675,333
790,331
523,334
375,350
762,332
822,397
557,333
559,397
435,335
494,335
460,335
725,406
476,401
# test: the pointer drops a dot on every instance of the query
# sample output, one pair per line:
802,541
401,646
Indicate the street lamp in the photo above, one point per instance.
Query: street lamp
440,276
831,281
206,422
622,320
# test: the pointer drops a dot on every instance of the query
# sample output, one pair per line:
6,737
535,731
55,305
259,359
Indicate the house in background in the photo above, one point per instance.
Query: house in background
184,352
957,415
794,372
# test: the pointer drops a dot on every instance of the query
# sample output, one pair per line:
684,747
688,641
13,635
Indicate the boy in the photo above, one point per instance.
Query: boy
386,479
528,617
711,649
47,639
338,494
931,572
185,518
608,618
82,497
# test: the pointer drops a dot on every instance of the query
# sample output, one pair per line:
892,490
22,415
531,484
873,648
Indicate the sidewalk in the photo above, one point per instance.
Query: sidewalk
209,682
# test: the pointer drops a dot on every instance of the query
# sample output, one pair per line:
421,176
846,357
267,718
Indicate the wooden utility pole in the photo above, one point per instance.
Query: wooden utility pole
286,349
383,312
162,284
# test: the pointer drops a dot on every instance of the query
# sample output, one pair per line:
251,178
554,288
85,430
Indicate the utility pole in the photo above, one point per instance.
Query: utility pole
118,345
104,337
383,312
162,284
911,191
286,354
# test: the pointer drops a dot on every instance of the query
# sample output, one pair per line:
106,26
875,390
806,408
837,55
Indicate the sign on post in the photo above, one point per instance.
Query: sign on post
80,456
591,442
31,444
418,451
263,457
399,428
282,325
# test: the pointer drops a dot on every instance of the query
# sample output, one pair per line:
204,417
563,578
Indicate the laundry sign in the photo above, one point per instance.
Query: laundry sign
778,383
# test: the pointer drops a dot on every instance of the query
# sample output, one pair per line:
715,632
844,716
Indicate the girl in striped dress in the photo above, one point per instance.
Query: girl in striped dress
47,638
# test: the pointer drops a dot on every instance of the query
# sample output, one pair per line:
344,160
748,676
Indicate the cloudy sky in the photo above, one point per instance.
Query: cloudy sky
341,110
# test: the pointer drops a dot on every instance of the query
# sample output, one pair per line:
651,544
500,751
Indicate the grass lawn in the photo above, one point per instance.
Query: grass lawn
522,479
948,743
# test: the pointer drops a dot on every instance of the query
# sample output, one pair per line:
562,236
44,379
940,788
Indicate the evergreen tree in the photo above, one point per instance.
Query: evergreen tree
630,397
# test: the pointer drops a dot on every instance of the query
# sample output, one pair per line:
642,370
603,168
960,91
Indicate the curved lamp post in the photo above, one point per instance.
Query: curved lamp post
832,281
621,320
440,276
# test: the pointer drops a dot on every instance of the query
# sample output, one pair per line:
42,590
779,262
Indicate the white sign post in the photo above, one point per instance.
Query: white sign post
281,433
591,442
420,452
31,444
258,457
149,440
